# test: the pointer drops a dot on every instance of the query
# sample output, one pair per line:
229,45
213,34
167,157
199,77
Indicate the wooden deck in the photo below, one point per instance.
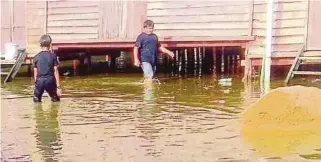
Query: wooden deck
171,42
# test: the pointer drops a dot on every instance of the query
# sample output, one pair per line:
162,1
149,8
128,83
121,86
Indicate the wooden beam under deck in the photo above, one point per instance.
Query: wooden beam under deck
167,42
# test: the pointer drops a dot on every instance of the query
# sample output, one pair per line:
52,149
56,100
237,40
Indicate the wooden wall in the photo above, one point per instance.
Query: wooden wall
95,20
70,20
13,24
289,27
36,18
75,20
200,18
121,19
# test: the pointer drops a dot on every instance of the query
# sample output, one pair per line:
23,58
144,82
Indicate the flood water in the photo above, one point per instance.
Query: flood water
116,118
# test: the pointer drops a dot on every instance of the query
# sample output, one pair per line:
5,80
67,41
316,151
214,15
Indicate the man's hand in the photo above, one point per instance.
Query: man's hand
171,54
59,92
137,63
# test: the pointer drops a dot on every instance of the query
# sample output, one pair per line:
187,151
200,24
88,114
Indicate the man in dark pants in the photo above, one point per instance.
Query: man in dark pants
46,72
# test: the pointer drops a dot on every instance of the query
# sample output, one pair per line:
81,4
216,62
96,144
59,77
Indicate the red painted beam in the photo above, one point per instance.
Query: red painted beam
131,45
275,61
168,42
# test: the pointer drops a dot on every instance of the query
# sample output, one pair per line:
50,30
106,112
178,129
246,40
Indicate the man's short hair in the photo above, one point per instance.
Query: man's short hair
45,40
148,23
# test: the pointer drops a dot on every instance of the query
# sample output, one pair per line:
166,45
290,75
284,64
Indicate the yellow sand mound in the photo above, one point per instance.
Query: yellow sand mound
286,120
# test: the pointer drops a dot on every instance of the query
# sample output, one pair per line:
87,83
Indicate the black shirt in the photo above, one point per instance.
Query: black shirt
148,47
45,61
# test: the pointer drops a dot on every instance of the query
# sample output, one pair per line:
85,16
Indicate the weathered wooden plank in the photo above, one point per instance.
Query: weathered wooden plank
136,15
310,58
281,15
57,37
200,18
306,72
53,11
110,21
192,4
312,53
281,31
74,23
35,4
33,31
274,55
280,24
293,6
182,33
82,16
277,1
200,11
71,4
35,21
213,25
279,40
288,40
38,11
15,68
276,48
251,13
72,30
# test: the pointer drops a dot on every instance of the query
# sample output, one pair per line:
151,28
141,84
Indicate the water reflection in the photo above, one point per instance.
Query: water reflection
47,131
115,118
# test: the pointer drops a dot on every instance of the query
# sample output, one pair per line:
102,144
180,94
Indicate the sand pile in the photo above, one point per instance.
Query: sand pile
286,120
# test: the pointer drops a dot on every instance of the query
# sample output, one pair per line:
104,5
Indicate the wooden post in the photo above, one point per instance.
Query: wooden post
266,62
195,60
46,17
232,62
180,60
222,60
173,65
131,58
228,62
11,3
214,61
29,70
113,62
107,58
89,63
76,63
200,61
176,61
186,60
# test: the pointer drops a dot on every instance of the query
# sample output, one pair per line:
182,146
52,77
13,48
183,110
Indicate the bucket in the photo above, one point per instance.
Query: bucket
11,51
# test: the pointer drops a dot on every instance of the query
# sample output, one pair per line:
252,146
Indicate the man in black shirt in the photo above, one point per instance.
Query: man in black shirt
46,72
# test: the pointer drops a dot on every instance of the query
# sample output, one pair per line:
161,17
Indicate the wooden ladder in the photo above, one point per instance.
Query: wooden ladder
302,59
16,65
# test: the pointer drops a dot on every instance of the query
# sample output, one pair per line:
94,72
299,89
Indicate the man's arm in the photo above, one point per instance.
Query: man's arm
35,73
35,68
138,44
165,50
136,60
57,76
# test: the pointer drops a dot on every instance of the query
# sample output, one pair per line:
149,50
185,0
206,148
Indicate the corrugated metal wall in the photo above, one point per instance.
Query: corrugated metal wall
200,18
289,27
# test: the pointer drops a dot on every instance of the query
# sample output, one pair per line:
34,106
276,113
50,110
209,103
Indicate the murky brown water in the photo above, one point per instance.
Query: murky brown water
116,118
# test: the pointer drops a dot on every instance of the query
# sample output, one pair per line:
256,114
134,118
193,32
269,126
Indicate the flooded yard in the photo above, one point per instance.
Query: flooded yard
117,118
